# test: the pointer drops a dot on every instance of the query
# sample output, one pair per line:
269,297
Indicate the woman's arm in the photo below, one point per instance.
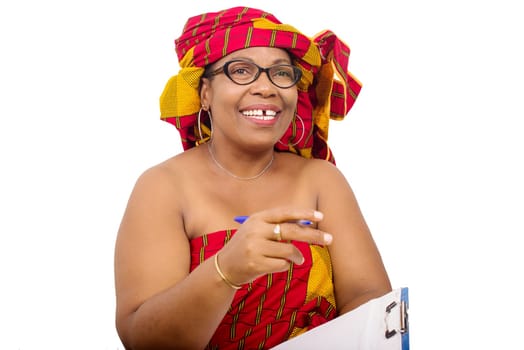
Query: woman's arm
159,304
359,273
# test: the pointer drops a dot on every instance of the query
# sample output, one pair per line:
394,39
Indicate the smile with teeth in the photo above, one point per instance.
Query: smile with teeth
260,114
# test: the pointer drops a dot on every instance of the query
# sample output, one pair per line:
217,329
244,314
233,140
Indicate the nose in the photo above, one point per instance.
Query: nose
262,85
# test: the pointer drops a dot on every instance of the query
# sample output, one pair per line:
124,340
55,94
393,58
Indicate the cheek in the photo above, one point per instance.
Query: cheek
291,99
290,104
223,94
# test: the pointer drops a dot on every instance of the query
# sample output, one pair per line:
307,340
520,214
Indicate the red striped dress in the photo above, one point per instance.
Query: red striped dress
274,307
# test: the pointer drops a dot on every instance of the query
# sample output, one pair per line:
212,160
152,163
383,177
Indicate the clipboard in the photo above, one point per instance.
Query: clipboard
379,324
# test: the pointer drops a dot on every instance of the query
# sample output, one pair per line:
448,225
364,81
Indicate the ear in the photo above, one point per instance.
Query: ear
205,92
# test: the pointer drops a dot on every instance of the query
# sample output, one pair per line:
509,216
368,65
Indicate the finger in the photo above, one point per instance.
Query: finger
295,232
254,258
273,265
283,251
278,265
277,232
291,214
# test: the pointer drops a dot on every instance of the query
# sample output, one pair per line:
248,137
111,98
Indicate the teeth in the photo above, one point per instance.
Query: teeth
260,114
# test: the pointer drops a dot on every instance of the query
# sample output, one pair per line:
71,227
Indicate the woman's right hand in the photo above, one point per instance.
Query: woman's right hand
262,244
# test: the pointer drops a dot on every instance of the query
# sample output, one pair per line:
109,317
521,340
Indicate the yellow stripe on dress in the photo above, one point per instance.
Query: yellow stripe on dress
320,281
202,256
284,294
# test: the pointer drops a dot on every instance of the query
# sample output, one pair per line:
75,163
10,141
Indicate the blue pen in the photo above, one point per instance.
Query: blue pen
240,219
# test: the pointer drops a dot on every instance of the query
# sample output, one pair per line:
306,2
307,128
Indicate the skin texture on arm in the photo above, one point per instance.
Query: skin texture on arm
159,305
358,271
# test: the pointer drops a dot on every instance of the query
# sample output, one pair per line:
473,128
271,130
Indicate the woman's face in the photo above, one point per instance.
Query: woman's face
257,113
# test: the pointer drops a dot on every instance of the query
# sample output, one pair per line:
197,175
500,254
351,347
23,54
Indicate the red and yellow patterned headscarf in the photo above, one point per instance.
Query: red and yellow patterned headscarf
326,90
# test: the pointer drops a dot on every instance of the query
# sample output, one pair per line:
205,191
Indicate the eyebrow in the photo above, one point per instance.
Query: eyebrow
277,61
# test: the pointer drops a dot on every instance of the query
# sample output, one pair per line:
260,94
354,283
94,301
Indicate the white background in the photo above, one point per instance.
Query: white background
432,148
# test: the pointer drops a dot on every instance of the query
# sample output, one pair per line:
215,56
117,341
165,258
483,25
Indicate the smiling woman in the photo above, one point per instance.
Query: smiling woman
263,118
258,95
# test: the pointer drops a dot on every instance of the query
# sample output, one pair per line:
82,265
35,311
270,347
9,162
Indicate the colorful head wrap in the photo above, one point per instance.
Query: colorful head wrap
326,90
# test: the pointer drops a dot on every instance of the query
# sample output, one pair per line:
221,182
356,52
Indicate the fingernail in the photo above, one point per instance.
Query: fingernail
328,238
301,261
318,215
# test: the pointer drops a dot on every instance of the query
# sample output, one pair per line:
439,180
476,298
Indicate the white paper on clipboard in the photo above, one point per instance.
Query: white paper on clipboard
379,324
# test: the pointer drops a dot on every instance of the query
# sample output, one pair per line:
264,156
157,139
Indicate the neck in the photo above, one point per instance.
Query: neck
224,169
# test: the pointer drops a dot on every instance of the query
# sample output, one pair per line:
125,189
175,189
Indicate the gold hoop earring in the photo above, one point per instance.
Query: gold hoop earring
301,136
199,123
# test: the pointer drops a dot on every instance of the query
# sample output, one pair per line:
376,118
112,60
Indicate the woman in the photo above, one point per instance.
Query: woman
252,101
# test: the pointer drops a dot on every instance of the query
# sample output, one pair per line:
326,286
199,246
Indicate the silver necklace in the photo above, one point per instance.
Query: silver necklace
266,168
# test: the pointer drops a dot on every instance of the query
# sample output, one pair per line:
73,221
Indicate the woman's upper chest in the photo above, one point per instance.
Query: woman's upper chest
215,201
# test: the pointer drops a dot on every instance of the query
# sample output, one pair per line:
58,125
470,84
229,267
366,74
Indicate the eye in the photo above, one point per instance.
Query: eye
283,72
241,69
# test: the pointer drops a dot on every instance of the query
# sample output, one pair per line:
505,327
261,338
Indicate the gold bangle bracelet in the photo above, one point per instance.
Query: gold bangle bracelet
229,283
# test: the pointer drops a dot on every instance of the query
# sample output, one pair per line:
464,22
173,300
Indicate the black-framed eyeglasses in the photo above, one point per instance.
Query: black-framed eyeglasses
243,72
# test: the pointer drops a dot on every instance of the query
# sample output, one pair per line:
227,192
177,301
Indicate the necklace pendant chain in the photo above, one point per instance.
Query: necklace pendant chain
266,168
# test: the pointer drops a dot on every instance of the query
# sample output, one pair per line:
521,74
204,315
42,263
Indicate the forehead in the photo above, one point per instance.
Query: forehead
263,56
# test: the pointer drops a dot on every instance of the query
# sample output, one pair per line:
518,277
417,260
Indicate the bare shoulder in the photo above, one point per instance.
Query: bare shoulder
358,271
155,209
169,176
315,170
164,171
325,169
156,203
